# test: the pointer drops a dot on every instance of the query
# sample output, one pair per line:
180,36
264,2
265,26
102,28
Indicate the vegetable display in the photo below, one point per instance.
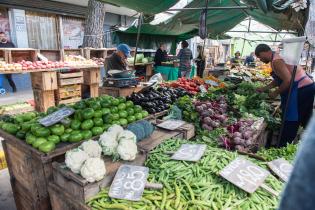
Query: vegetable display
190,85
192,185
157,100
91,118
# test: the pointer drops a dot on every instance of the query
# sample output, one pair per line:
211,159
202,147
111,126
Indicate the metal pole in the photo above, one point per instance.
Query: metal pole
212,8
138,36
287,105
263,32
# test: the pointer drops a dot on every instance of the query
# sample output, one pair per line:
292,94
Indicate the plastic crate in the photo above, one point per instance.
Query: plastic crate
3,163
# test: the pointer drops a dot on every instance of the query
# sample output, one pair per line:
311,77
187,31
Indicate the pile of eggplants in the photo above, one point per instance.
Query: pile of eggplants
157,100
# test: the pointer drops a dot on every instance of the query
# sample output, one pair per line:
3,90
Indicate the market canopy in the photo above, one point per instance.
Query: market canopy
145,6
185,24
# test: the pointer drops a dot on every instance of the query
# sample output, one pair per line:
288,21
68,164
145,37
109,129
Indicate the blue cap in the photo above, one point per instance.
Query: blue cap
125,49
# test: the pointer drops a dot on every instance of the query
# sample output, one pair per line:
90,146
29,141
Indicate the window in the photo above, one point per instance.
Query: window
42,30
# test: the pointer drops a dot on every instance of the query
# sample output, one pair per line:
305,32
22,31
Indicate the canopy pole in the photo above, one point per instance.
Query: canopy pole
137,42
262,32
213,8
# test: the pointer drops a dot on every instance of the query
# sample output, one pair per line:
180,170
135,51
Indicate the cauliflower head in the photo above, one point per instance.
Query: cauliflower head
127,149
115,130
108,143
93,169
92,148
74,159
127,135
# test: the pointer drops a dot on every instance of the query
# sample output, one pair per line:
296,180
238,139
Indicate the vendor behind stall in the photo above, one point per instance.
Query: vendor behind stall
250,60
118,60
160,55
236,61
300,106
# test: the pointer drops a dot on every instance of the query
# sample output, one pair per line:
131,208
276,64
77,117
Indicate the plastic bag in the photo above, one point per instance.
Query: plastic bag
156,78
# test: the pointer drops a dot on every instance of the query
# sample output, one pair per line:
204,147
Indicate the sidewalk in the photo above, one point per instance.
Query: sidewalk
20,96
6,195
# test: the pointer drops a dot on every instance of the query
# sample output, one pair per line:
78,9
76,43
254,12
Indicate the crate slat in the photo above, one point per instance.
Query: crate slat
43,99
70,74
70,100
44,80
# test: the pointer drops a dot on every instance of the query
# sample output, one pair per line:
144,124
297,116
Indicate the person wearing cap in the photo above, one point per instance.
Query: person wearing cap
236,61
118,60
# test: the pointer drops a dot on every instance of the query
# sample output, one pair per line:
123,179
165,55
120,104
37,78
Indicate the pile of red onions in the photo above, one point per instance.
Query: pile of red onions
213,113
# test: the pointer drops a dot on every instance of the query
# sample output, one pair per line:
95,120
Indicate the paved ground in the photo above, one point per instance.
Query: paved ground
6,196
20,96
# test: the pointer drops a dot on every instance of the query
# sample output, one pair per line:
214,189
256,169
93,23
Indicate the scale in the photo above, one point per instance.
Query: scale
121,79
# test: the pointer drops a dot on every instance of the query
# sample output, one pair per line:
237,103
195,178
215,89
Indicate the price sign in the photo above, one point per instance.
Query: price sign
171,124
190,152
281,168
244,174
56,116
212,83
129,182
202,89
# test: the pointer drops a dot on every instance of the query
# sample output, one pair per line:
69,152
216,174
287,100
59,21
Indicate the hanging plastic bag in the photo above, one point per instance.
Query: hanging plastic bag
203,32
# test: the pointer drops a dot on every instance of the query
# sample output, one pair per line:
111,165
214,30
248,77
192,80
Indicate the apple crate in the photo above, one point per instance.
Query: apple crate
43,99
70,78
19,54
44,80
52,55
68,94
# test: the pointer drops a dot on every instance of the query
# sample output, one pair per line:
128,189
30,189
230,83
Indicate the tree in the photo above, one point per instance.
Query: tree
94,23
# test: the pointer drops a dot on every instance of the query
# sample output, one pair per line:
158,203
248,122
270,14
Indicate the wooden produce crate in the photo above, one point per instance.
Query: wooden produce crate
62,200
44,80
67,52
70,78
68,94
90,53
4,55
52,55
92,76
19,54
31,171
90,91
43,99
79,188
116,92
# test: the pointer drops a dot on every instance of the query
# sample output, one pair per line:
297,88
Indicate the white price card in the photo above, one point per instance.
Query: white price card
245,174
171,124
129,182
190,152
281,168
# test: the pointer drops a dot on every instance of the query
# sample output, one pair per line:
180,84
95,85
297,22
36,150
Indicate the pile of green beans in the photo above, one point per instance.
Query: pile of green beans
195,186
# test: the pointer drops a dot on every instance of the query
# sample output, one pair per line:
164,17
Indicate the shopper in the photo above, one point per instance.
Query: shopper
160,55
200,61
250,60
299,192
4,43
300,107
236,61
184,56
118,60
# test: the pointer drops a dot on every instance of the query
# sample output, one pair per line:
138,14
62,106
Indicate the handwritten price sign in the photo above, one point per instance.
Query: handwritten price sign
281,168
129,182
56,116
244,174
190,152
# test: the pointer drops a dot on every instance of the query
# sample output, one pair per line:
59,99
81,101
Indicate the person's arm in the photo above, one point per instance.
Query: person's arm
271,85
283,72
179,55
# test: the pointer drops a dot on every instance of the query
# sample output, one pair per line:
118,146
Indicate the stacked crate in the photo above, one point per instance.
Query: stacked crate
69,87
91,82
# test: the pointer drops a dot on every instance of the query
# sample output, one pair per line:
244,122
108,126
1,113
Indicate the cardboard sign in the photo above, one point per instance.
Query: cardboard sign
190,152
171,124
244,174
281,168
212,83
129,182
56,116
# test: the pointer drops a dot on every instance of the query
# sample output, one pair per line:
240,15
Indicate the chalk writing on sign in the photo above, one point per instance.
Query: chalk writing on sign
190,152
281,168
57,116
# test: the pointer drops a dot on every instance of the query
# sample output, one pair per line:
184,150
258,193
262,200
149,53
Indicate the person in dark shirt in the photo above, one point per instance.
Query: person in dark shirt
184,56
249,59
4,43
236,61
118,60
200,61
160,55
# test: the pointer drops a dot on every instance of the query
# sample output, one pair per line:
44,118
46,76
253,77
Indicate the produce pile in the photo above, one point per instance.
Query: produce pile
139,59
189,185
190,85
28,65
91,118
157,100
13,107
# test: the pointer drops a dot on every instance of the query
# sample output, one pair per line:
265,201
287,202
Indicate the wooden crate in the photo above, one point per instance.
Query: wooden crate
68,94
52,55
70,78
44,80
4,55
92,76
19,54
61,200
31,171
90,91
79,188
76,52
116,92
90,53
43,99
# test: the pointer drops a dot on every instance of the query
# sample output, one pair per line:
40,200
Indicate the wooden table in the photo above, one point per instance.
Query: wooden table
116,92
148,69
